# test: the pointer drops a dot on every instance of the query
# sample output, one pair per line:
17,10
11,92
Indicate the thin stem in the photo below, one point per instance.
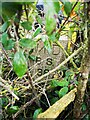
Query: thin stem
33,89
25,106
6,56
58,67
8,88
67,17
59,44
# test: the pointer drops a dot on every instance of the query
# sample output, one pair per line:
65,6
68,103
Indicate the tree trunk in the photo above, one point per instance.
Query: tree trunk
85,65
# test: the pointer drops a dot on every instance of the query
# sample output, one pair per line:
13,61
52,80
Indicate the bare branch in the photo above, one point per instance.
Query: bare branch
26,105
8,88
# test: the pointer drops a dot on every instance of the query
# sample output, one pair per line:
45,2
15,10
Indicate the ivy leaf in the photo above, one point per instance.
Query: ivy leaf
26,25
37,112
19,63
28,43
37,31
63,91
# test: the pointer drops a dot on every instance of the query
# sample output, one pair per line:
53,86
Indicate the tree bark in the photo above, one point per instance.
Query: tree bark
85,65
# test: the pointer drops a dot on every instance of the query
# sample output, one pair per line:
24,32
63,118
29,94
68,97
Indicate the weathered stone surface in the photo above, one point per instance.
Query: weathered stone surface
46,61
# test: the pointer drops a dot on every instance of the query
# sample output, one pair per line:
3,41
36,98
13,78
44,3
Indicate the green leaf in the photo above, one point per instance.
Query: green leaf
39,19
56,6
57,92
13,109
4,101
84,107
37,31
63,83
50,13
9,9
32,57
53,100
26,25
37,112
50,24
64,68
71,87
19,63
63,91
4,38
5,26
77,6
68,7
76,82
8,44
47,45
69,74
54,83
87,117
52,37
28,43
